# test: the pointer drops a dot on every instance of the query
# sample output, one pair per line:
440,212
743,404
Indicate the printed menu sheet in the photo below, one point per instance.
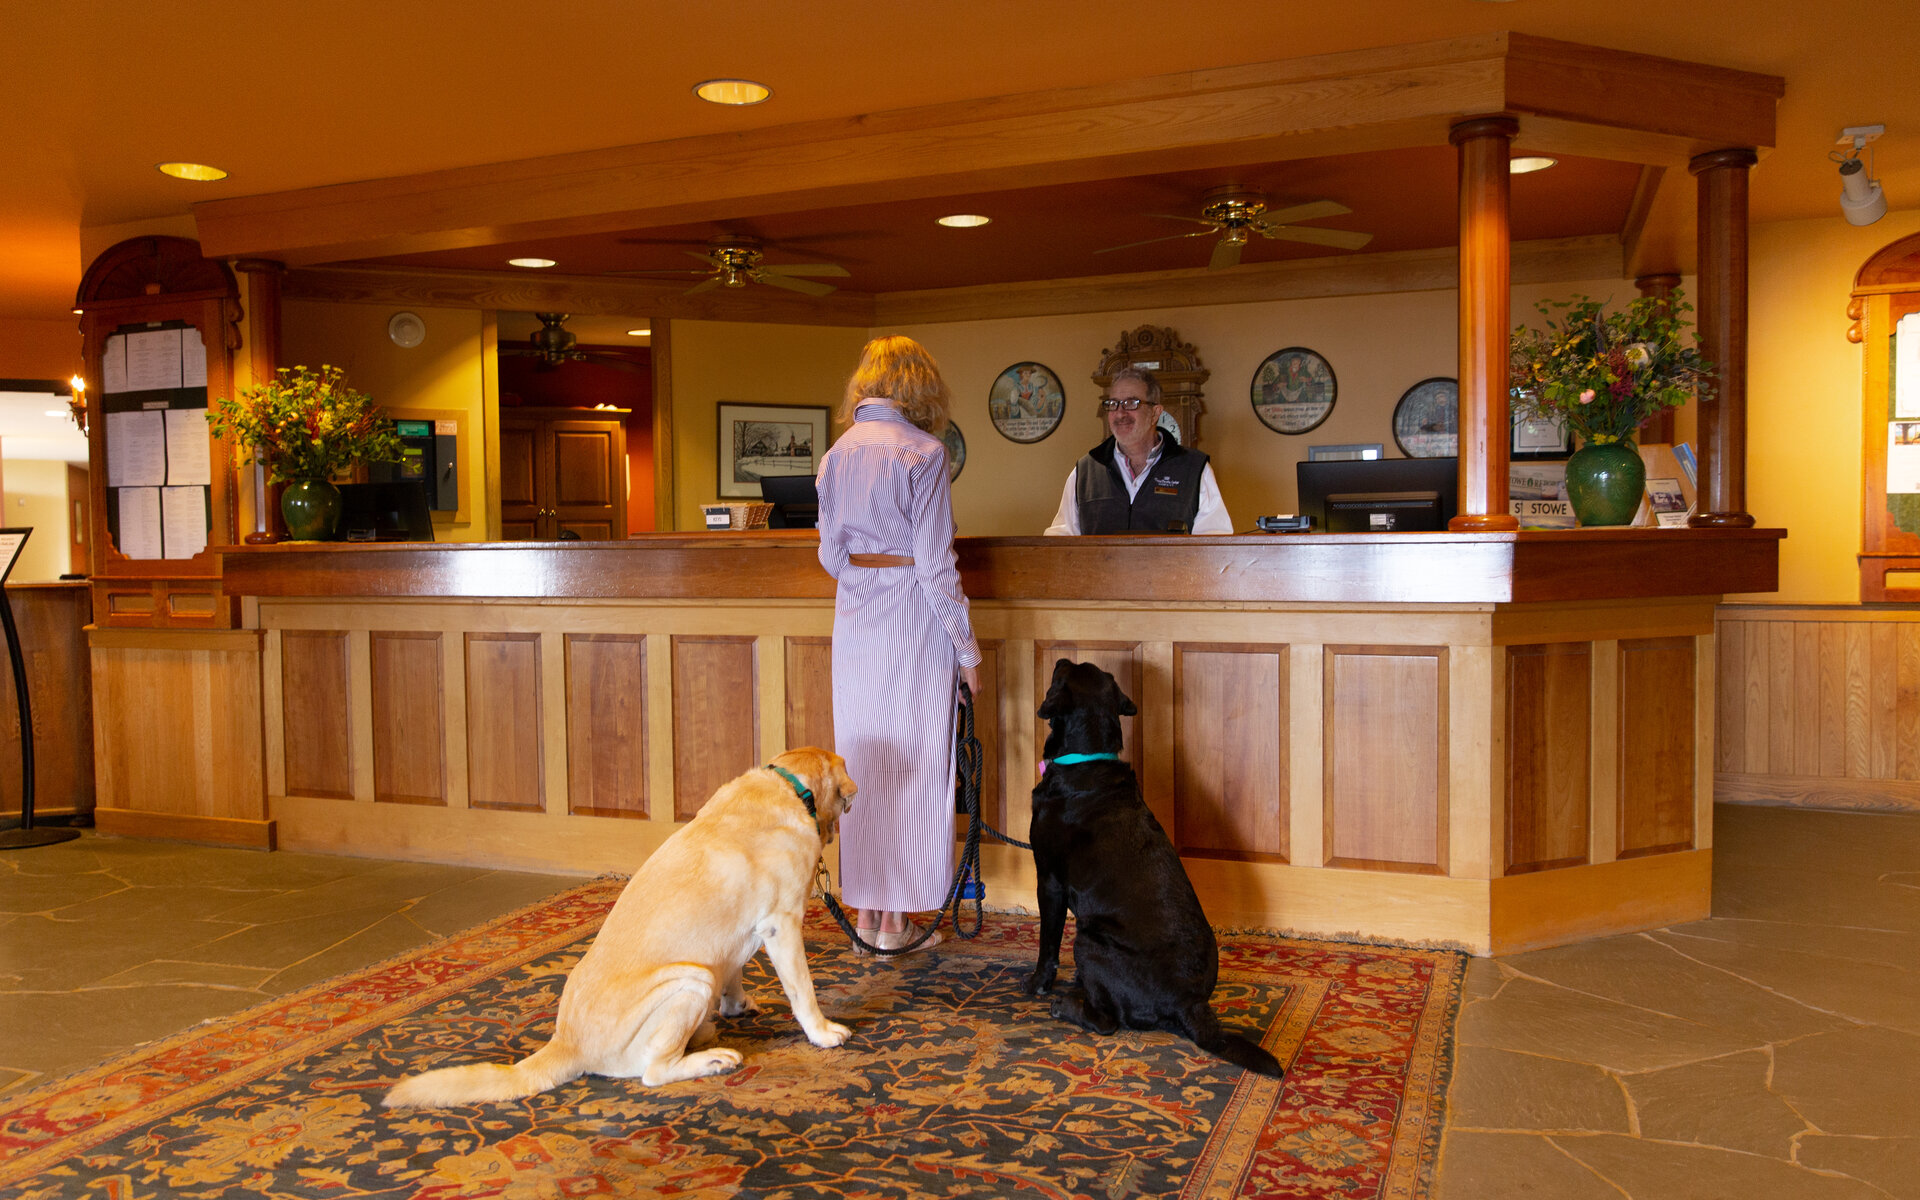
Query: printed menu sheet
153,360
140,522
189,459
136,449
183,520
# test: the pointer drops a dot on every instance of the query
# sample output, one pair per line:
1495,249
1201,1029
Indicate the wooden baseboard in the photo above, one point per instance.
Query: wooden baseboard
185,827
1555,908
1818,791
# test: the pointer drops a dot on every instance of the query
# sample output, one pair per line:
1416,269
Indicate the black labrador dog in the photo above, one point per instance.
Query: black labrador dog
1145,956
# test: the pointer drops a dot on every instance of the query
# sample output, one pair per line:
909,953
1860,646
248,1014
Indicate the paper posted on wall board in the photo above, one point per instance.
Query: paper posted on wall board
1906,368
189,460
183,520
136,449
1903,457
113,365
153,360
140,522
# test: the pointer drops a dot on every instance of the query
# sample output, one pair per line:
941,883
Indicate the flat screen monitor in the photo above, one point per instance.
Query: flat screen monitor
795,500
1389,495
385,512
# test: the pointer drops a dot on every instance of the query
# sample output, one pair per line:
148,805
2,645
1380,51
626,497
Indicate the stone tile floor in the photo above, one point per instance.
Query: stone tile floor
1769,1053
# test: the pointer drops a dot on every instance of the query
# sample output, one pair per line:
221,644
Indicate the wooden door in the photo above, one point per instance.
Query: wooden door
562,474
77,516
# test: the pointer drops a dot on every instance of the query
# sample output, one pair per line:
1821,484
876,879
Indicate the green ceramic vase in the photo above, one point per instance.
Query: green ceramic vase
1605,483
311,509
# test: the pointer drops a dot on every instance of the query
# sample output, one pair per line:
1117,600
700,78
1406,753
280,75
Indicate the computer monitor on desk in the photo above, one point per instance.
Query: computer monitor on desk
795,500
385,512
1389,495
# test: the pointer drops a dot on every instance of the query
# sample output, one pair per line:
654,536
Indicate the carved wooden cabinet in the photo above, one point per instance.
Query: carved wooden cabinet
1886,322
160,327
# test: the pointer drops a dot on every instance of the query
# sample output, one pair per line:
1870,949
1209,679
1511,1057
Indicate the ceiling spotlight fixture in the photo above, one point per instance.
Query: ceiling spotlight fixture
198,172
529,262
1529,163
732,91
965,221
1861,200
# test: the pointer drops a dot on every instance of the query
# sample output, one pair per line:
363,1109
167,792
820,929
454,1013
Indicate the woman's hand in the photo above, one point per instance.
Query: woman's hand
971,677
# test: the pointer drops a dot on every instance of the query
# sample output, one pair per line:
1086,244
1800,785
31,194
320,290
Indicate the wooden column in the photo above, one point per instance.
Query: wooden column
1722,186
1486,430
263,359
1658,428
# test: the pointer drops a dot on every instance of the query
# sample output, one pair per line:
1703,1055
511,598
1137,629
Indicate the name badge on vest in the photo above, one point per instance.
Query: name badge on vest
1166,487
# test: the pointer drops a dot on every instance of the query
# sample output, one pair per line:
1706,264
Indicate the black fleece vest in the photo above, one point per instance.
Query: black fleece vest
1167,502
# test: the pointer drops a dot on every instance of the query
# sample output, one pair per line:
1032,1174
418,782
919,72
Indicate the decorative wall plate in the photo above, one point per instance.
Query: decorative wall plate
1026,402
1293,390
956,450
1426,422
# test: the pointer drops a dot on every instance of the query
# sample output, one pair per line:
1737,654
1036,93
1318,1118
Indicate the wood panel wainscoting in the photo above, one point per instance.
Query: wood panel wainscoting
1819,706
1498,766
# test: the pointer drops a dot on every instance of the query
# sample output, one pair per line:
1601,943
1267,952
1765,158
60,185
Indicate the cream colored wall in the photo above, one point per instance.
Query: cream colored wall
754,364
1804,398
1378,346
442,372
36,496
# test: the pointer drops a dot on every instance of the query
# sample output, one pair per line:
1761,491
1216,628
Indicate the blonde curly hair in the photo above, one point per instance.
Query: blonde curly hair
900,369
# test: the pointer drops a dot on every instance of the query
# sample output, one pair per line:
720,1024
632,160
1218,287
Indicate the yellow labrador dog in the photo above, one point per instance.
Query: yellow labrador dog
642,999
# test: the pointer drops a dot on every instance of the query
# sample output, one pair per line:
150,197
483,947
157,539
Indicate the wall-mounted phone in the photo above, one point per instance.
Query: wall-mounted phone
431,454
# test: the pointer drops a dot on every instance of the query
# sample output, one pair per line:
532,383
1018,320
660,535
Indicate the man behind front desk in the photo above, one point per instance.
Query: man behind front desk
1141,479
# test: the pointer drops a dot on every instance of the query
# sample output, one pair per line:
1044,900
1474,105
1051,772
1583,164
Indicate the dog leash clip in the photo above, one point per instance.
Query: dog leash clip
822,882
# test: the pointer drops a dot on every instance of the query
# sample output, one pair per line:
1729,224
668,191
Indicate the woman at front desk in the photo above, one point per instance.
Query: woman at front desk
902,637
1141,479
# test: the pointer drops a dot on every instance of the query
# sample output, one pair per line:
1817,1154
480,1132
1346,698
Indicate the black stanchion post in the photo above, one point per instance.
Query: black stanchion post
11,541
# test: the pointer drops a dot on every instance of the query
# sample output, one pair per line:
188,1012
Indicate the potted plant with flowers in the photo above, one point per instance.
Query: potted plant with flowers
306,426
1603,374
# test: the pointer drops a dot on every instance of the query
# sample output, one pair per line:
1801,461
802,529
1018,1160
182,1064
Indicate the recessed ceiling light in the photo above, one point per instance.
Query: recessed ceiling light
964,220
1528,164
199,172
732,91
529,262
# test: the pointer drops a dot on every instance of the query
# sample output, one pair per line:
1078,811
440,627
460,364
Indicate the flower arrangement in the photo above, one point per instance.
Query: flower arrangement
306,424
1603,374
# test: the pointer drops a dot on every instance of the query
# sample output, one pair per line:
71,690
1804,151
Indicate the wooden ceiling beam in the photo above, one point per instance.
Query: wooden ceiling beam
1629,106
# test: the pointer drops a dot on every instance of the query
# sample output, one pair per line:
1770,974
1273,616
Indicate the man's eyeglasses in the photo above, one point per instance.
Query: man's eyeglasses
1110,404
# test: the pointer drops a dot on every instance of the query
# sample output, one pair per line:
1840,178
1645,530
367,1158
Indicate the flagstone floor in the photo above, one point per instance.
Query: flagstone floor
1769,1053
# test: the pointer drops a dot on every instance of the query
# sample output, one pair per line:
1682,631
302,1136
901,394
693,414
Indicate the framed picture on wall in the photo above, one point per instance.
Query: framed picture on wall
1293,390
1426,422
757,440
956,450
1026,402
1540,437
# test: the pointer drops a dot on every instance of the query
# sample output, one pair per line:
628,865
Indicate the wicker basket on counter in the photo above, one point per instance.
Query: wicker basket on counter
751,514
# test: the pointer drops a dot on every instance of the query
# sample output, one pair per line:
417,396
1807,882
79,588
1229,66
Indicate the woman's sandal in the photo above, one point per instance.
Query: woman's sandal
905,937
869,935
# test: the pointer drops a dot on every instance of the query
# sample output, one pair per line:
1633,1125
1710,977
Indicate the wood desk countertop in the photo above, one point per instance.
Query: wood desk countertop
1431,568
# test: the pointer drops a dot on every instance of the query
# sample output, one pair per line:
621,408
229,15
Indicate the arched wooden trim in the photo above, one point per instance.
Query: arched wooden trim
1896,266
152,266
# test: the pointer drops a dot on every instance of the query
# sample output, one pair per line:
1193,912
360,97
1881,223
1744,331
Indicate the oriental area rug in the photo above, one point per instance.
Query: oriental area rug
954,1084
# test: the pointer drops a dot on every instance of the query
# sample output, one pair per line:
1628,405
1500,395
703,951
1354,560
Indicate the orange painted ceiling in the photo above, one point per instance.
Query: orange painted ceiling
295,96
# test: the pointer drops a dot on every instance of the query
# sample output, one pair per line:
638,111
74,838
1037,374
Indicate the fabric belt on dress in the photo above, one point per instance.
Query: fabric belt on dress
880,560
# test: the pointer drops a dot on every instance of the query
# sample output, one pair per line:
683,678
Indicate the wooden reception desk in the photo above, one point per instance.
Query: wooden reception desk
1493,741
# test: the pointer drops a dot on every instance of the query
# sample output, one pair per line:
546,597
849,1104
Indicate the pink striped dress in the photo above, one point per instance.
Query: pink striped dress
900,635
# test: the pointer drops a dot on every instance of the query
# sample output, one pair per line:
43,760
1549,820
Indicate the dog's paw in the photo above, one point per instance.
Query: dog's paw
740,1006
830,1034
1040,982
717,1061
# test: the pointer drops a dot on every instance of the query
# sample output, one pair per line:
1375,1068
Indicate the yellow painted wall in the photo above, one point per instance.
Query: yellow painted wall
36,496
442,372
754,364
1378,346
1804,398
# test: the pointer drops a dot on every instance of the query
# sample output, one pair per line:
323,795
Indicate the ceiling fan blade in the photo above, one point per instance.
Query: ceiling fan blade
1177,217
1311,211
1150,241
1339,238
806,286
805,269
708,286
675,272
1226,253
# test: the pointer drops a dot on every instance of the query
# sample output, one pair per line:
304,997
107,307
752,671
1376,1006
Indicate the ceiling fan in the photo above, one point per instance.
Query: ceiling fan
553,344
1235,213
735,260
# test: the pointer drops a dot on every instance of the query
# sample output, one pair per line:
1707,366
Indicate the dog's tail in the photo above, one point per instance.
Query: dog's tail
477,1083
1203,1028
